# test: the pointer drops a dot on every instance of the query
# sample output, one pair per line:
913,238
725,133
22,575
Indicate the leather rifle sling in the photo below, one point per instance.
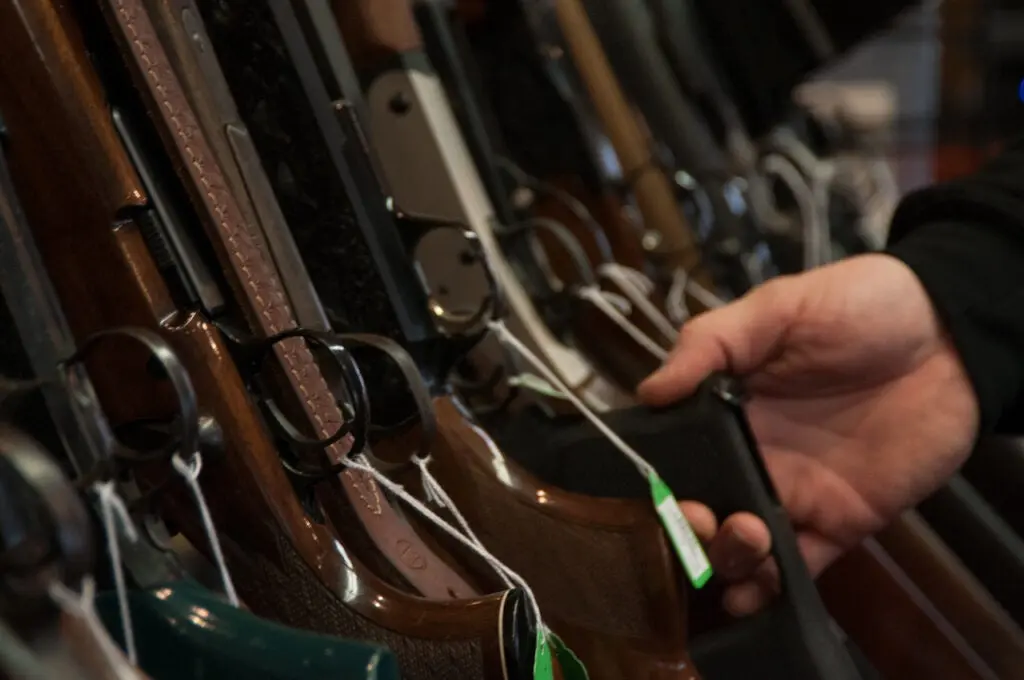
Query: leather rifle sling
263,298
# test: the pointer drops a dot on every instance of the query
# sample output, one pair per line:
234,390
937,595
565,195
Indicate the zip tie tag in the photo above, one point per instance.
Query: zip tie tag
572,667
543,668
686,543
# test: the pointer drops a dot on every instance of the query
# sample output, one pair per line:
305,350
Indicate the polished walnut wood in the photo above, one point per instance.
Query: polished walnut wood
602,569
286,566
395,546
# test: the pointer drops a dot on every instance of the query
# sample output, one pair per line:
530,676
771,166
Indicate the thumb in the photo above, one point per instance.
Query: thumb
738,338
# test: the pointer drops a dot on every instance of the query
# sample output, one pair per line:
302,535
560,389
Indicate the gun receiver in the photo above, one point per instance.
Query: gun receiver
287,567
443,181
617,355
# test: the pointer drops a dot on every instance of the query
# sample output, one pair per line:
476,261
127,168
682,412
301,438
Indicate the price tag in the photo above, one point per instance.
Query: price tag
542,668
687,546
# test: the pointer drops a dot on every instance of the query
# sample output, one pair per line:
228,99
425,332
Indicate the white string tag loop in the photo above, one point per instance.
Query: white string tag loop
189,471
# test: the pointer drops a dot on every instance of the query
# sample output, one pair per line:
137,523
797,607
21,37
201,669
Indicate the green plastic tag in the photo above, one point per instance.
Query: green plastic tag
542,668
572,667
687,546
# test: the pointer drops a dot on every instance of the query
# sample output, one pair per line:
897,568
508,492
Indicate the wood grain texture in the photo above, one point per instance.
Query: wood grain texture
602,569
887,616
285,566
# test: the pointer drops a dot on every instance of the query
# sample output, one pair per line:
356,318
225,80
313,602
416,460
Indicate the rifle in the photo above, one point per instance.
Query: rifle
191,53
614,351
288,566
386,48
36,343
654,194
629,35
606,541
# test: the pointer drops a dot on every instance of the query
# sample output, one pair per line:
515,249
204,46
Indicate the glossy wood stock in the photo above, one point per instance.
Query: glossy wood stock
654,192
893,623
602,569
957,593
286,566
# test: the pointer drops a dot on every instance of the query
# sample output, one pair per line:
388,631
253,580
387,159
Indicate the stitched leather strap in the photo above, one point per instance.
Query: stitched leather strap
263,297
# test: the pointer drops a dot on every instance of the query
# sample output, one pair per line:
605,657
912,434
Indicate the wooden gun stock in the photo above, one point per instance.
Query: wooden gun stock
957,593
899,630
602,569
286,567
654,193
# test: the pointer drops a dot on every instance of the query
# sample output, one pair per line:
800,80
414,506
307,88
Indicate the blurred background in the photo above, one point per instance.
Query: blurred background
945,83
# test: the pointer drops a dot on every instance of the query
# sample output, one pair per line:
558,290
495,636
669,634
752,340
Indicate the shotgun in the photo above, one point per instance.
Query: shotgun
617,354
614,537
190,53
37,346
410,118
603,532
628,33
269,313
654,193
288,564
548,128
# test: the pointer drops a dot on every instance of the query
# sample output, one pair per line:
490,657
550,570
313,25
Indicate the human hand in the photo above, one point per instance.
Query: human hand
857,398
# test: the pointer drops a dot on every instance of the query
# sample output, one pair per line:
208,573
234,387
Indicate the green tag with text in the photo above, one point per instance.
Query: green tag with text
687,546
572,667
542,668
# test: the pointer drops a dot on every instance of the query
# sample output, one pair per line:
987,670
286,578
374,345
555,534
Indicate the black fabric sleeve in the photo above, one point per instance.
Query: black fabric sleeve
965,241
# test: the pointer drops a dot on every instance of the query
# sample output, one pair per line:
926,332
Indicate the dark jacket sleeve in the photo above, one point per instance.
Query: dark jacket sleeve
965,241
